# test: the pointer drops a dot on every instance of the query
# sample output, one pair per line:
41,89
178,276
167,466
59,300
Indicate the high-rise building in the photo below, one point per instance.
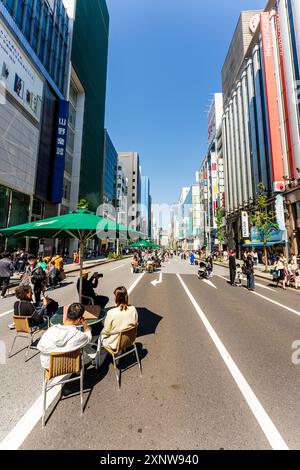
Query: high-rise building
109,178
214,167
145,207
261,139
121,195
34,71
89,61
237,52
131,168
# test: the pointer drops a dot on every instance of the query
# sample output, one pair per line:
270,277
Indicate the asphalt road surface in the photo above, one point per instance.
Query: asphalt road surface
218,371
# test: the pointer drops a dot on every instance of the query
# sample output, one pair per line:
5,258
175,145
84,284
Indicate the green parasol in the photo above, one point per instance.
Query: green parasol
145,244
80,224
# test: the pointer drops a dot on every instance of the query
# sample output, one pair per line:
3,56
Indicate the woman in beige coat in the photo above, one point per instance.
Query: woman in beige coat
120,318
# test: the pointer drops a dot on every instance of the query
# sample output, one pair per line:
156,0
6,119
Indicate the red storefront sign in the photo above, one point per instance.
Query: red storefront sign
291,154
271,98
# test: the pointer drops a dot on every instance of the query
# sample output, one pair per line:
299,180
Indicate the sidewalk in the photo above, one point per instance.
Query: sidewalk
258,272
70,268
74,267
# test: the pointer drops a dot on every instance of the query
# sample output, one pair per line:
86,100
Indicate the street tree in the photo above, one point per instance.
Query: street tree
264,219
83,204
221,229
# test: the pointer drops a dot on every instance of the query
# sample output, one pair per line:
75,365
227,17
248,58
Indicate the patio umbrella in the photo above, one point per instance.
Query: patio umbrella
145,244
80,224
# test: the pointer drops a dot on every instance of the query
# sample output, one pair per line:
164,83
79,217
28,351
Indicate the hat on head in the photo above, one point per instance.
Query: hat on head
85,272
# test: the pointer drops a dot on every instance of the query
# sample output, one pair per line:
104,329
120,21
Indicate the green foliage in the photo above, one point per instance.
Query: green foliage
221,230
263,219
114,256
83,204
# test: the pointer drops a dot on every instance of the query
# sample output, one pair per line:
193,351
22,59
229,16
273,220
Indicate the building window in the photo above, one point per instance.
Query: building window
10,6
19,13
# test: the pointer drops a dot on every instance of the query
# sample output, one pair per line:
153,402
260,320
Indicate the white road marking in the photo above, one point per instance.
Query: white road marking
272,434
118,267
256,283
133,286
23,428
266,287
222,277
157,281
277,303
6,313
209,283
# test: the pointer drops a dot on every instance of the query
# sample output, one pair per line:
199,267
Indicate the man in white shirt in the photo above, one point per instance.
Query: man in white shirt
67,337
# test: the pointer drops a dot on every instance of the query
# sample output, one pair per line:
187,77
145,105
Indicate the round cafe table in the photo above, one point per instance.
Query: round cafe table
57,318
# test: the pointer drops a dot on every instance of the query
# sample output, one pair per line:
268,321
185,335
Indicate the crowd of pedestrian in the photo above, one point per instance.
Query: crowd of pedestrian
149,260
38,272
284,271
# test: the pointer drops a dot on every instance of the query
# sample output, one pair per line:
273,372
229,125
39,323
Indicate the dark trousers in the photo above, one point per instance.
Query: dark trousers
101,300
232,276
37,293
4,283
250,281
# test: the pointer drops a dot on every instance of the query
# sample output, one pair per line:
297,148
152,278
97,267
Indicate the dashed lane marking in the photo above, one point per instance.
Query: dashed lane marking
272,434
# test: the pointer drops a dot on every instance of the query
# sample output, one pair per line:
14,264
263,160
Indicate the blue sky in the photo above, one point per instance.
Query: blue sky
165,59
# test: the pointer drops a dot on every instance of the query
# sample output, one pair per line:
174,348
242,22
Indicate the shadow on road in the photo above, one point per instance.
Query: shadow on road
148,321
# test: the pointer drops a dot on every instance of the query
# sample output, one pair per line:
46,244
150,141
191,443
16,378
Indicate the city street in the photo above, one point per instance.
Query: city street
217,371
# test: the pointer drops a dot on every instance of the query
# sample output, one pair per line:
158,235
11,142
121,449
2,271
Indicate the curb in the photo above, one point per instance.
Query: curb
259,275
96,263
77,268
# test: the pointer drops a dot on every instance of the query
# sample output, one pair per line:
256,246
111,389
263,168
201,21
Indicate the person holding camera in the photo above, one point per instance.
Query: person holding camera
88,286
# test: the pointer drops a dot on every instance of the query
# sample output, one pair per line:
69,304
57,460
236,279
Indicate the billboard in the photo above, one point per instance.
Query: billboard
60,152
18,76
271,98
212,122
245,225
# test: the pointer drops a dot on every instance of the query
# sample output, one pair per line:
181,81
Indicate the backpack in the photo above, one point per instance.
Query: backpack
245,270
38,276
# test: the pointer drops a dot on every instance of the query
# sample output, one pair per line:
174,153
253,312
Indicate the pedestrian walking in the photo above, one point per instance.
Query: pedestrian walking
239,275
280,266
20,260
6,271
35,277
232,267
249,271
210,265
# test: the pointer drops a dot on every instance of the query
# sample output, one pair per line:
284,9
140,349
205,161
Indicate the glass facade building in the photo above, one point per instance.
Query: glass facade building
45,25
89,60
145,206
263,145
109,171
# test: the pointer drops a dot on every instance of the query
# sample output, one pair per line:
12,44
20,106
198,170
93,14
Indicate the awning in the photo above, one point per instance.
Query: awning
261,244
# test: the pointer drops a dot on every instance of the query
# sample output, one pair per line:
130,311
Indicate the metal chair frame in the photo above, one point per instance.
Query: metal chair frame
24,332
64,369
90,299
119,354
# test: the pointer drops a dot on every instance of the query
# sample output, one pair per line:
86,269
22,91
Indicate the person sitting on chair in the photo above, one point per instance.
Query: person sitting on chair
150,265
24,307
65,338
88,286
135,264
120,318
53,276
